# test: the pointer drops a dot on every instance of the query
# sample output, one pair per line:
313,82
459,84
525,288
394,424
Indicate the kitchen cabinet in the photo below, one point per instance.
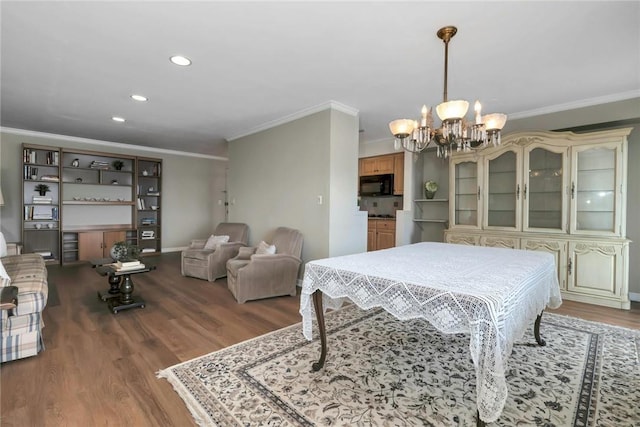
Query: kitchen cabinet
381,234
558,192
377,165
398,174
382,165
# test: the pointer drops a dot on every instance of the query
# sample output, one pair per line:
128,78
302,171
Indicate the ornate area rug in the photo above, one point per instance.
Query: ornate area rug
383,372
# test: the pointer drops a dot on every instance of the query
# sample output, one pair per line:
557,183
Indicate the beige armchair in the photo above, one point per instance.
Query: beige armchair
210,264
253,276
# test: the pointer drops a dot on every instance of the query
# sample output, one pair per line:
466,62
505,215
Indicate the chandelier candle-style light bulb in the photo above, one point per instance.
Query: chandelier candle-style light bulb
477,107
424,112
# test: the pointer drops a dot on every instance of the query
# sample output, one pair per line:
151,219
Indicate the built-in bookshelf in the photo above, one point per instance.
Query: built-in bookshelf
92,200
41,201
149,197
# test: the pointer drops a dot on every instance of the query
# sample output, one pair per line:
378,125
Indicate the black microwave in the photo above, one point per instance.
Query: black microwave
376,185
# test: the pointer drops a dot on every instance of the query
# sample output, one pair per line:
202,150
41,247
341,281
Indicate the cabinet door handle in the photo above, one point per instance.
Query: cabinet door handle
518,192
569,267
573,189
478,192
524,194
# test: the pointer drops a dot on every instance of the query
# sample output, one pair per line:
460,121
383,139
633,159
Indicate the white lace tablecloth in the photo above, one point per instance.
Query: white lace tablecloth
493,294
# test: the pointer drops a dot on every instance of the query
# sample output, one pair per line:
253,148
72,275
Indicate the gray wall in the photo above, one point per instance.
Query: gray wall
191,185
277,175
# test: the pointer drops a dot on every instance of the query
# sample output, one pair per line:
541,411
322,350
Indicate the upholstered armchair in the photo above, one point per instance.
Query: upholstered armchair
257,273
209,263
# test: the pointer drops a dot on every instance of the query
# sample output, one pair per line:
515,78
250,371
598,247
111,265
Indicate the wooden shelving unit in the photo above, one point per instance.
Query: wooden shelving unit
94,199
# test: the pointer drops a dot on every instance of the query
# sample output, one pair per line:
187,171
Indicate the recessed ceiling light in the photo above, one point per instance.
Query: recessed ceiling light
118,119
139,98
180,60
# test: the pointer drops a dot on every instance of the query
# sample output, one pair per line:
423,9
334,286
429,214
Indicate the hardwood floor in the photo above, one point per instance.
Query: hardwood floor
98,369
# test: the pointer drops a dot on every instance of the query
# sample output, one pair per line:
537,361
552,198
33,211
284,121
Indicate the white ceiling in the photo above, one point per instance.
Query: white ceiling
68,67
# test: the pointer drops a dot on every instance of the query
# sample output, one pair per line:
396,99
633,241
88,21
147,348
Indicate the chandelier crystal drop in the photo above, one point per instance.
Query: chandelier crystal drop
455,132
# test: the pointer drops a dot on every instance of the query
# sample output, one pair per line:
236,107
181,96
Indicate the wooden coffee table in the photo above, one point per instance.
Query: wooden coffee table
120,292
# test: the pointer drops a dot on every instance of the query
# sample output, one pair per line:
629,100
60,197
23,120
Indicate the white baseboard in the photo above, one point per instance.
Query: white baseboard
633,296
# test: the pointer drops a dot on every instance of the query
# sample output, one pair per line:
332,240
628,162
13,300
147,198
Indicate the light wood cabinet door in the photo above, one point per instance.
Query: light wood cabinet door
385,239
384,165
378,165
368,166
371,240
381,234
398,174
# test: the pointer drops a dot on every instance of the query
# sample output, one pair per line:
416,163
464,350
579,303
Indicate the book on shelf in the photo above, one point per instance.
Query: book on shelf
44,200
97,164
53,178
147,250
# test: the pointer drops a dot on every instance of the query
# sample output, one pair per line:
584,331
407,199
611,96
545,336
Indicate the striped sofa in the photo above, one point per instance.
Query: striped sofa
21,328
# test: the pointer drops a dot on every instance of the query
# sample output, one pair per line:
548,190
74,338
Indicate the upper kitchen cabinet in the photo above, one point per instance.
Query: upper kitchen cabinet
377,165
398,174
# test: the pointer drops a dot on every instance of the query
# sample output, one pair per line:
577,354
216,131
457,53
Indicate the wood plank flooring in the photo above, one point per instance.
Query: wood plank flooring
98,369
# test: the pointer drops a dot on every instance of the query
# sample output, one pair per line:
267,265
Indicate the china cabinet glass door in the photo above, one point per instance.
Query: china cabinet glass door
594,202
544,188
465,206
503,190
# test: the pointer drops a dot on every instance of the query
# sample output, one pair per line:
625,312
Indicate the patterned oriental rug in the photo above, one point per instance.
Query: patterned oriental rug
384,372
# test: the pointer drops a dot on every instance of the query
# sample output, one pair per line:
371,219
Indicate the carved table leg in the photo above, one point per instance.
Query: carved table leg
536,331
126,299
114,288
126,289
317,304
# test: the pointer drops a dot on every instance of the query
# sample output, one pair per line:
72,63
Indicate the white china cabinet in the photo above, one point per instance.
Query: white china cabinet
559,192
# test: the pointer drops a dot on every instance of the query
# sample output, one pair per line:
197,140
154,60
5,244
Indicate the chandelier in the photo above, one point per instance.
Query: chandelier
455,132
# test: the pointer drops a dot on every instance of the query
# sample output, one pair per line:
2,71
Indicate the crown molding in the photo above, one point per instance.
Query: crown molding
622,96
334,105
55,136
